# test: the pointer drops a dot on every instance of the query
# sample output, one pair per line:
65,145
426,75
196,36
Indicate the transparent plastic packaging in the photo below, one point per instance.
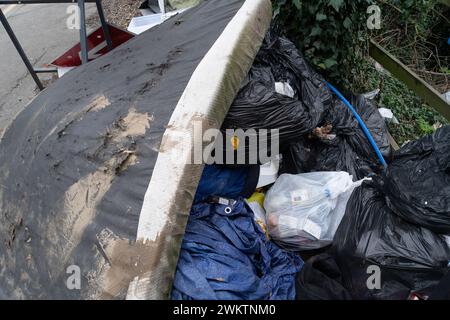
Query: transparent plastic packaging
304,210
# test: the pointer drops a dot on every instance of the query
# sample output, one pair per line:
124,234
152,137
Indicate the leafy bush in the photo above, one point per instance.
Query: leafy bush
416,32
332,34
416,119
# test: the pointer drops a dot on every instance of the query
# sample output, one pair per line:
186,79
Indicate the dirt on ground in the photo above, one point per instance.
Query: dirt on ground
118,12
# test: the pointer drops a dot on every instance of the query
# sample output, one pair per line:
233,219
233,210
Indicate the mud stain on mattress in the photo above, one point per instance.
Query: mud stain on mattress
98,103
82,198
123,261
134,124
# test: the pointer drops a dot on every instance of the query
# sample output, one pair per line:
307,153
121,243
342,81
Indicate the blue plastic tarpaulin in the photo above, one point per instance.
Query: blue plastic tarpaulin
225,255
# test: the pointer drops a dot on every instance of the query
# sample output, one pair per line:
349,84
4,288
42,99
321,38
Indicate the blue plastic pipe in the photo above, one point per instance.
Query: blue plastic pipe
361,123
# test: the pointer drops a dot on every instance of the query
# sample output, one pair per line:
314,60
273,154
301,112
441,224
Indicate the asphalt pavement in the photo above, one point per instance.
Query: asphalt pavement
44,35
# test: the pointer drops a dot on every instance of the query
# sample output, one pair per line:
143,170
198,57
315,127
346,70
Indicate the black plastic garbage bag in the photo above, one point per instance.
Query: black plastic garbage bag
339,144
261,104
417,183
321,279
442,290
411,258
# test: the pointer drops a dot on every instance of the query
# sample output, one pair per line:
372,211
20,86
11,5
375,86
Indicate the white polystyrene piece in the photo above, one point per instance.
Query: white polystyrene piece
447,97
138,25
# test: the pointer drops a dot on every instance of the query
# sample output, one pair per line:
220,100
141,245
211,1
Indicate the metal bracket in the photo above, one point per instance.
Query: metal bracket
83,33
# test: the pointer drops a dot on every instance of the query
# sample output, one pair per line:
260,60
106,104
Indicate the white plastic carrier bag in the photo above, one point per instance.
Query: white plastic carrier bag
304,210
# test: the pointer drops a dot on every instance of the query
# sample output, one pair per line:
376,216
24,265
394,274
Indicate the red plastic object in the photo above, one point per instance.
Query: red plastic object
96,46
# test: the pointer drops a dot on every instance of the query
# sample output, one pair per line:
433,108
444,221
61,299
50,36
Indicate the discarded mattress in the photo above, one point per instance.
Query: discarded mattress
88,186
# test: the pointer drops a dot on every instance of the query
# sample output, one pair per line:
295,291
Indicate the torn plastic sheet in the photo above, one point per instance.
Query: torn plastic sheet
138,25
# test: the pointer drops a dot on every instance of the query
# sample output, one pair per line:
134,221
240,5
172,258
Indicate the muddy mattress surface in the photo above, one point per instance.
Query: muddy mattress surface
75,164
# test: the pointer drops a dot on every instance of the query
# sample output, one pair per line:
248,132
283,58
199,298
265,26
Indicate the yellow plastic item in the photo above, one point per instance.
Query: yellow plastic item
257,197
256,203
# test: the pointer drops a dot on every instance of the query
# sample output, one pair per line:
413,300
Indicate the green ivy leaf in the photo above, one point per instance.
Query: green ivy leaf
321,17
336,4
317,44
315,31
330,62
347,23
297,4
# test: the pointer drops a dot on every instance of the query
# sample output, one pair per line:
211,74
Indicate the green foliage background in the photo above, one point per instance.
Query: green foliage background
332,34
334,38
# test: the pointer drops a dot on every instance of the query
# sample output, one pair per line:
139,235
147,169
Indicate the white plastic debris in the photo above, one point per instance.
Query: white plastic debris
372,94
268,172
140,24
388,115
162,6
447,97
63,70
284,88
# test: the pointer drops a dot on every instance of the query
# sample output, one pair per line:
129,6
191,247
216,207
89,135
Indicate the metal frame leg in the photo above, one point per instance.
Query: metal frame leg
19,49
104,24
83,35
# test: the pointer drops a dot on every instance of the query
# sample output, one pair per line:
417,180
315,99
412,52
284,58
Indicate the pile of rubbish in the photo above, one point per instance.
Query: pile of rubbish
335,222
